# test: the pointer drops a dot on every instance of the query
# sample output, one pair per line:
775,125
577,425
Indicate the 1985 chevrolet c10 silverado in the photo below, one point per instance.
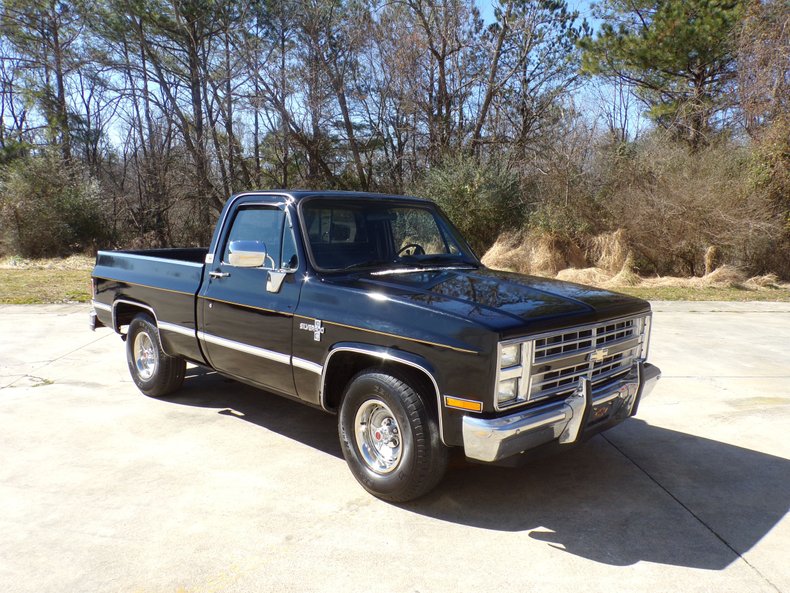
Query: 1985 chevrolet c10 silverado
375,308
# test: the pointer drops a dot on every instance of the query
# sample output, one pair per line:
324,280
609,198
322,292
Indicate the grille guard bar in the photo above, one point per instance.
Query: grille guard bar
492,439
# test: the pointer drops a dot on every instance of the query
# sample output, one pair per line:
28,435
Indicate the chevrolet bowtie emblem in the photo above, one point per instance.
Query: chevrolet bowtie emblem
599,355
316,327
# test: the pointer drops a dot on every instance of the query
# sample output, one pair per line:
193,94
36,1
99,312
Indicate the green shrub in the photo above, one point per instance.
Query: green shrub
47,208
482,199
769,175
673,204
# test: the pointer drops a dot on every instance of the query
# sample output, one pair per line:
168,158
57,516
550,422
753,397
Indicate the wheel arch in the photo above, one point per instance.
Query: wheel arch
345,360
124,310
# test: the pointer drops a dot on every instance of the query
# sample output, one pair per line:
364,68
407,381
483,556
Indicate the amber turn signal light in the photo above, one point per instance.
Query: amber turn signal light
463,404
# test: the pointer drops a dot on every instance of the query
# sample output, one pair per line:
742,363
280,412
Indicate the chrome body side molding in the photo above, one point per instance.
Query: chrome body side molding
273,355
246,348
176,329
101,306
210,338
301,363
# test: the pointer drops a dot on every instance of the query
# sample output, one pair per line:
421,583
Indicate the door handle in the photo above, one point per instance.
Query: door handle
219,274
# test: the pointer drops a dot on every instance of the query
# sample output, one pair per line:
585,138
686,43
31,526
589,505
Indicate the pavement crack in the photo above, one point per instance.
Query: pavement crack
688,509
57,358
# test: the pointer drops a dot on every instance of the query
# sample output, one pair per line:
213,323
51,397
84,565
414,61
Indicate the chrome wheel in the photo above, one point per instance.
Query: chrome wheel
152,370
145,356
378,436
389,437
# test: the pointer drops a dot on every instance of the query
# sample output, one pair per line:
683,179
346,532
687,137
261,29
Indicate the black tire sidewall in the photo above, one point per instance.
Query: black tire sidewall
400,480
140,324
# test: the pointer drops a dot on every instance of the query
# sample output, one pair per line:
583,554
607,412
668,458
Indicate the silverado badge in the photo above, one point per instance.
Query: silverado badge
599,355
316,327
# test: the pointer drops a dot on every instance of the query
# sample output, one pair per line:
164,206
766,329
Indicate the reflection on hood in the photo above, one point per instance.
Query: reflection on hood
498,299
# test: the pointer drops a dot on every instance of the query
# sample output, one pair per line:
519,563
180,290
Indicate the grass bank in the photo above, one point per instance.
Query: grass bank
41,281
675,293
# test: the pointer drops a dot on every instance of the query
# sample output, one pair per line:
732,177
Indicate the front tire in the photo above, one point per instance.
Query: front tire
390,439
154,372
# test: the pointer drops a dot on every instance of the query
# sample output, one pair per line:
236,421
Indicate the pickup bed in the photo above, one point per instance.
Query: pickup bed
374,308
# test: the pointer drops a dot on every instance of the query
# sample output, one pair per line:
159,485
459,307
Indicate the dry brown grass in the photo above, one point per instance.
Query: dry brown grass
723,277
542,255
626,276
594,276
509,253
609,251
527,255
725,283
73,262
766,281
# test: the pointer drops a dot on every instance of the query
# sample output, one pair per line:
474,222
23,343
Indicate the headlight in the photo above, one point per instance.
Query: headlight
510,356
512,376
507,391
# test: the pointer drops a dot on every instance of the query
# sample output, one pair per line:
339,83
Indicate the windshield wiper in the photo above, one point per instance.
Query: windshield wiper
417,263
366,264
440,260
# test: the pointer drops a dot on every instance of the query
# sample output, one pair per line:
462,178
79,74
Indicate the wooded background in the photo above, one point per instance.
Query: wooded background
129,122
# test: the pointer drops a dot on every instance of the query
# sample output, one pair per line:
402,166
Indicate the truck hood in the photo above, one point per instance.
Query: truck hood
511,304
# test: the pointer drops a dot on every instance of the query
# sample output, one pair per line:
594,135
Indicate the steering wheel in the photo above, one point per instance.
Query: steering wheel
418,249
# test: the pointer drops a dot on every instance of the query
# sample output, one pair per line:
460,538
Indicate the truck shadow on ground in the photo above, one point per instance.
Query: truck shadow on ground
638,493
206,388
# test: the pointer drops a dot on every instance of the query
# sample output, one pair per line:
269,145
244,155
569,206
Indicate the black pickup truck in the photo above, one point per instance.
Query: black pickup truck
375,308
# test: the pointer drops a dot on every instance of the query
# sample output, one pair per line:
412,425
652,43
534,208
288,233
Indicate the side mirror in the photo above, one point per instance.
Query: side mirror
247,254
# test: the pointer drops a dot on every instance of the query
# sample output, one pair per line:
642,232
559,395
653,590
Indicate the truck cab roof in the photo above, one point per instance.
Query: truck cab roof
301,194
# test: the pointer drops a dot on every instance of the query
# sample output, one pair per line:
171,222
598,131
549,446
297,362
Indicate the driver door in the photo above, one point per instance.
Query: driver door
247,320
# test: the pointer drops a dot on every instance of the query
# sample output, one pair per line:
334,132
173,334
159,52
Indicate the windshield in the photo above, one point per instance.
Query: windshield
345,235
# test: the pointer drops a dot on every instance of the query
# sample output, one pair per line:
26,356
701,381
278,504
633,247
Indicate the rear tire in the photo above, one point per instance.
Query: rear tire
389,437
154,372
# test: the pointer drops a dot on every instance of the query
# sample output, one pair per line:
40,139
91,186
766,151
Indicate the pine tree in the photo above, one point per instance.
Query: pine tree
679,55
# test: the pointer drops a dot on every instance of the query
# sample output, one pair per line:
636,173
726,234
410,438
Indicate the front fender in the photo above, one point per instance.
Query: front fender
383,354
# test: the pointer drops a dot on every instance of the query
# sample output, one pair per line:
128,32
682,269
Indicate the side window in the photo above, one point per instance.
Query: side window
290,259
334,225
260,224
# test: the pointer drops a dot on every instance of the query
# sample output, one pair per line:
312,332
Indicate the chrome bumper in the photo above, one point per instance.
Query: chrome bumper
497,438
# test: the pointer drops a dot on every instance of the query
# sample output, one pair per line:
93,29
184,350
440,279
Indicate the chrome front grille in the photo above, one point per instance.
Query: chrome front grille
552,363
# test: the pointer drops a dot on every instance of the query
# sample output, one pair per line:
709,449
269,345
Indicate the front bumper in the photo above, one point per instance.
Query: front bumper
492,439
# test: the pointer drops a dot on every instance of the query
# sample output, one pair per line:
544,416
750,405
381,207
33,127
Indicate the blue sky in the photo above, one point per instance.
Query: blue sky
585,98
584,7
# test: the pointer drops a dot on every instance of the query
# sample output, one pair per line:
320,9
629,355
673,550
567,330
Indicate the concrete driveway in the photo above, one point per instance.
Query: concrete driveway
225,488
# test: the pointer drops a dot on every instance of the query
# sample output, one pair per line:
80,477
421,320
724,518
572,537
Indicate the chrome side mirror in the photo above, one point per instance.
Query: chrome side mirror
247,254
252,254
